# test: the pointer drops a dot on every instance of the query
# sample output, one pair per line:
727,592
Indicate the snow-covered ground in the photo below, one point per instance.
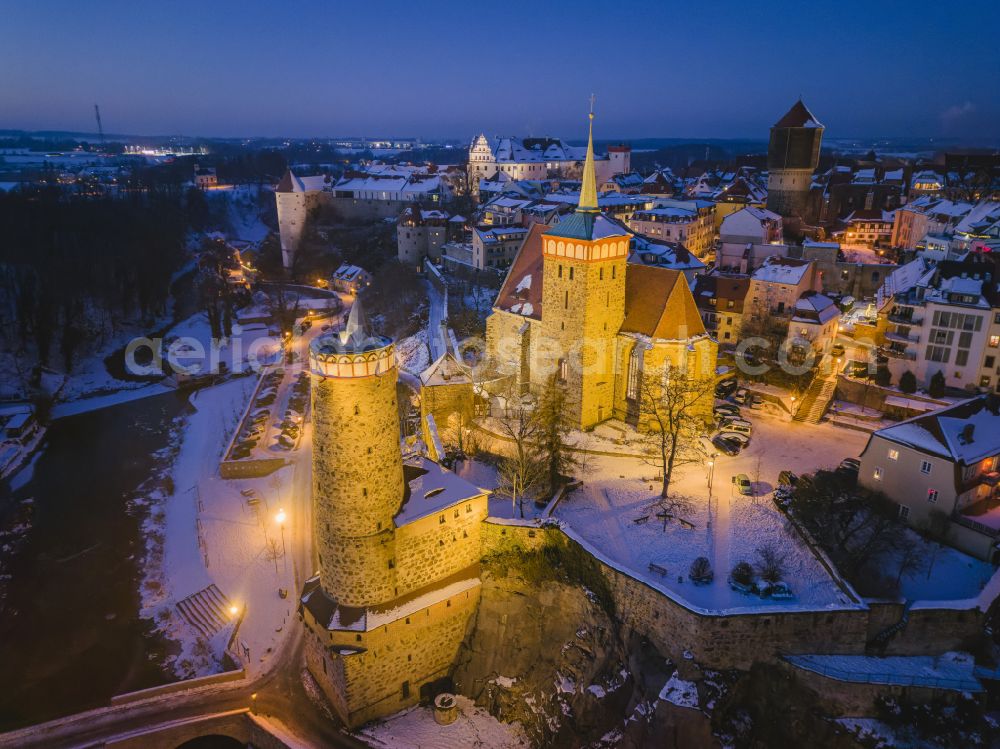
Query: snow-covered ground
415,729
615,511
412,352
192,344
207,533
242,212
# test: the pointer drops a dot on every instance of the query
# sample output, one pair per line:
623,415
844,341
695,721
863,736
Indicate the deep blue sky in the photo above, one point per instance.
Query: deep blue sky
671,69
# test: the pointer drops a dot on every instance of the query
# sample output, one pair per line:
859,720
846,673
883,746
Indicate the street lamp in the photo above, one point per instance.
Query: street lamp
234,610
280,517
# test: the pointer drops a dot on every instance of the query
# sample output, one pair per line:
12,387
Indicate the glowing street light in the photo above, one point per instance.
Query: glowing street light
280,518
234,610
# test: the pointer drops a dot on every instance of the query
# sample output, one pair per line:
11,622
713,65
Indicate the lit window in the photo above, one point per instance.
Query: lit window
878,474
925,467
932,495
894,455
994,341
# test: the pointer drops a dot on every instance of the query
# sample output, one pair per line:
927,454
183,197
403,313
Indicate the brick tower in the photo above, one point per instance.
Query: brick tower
792,157
583,295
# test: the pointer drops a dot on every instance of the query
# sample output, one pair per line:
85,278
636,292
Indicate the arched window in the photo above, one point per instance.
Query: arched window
634,373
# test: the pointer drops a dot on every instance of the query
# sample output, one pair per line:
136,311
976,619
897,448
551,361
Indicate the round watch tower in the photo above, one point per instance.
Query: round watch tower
357,463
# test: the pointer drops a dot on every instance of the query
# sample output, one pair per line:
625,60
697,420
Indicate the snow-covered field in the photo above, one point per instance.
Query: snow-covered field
249,344
415,729
412,352
615,511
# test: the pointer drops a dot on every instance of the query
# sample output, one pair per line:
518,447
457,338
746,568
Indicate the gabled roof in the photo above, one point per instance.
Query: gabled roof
446,370
798,116
965,433
722,289
521,292
659,304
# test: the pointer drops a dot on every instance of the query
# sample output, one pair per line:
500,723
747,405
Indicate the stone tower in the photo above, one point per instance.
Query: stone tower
397,541
792,157
357,467
583,295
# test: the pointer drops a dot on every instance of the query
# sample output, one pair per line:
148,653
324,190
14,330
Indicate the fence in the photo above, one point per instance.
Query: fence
890,678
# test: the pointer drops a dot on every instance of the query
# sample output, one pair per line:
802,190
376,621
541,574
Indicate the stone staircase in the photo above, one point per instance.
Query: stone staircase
207,611
816,400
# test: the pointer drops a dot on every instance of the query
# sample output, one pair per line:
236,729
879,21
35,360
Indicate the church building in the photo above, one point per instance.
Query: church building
573,307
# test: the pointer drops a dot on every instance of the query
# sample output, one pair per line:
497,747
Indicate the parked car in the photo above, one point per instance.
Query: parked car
736,425
837,349
851,465
743,485
725,446
787,478
741,396
726,409
755,401
725,388
706,446
740,439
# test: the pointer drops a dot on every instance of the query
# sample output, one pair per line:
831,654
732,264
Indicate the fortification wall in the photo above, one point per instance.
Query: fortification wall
439,545
737,640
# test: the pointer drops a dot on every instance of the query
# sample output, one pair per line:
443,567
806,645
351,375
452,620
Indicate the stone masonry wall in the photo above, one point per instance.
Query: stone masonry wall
403,656
738,640
428,549
357,484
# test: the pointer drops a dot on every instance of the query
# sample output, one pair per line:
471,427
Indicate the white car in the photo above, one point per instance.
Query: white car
742,426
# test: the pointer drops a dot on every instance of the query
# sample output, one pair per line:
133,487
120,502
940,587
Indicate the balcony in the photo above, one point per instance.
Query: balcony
904,317
899,353
902,335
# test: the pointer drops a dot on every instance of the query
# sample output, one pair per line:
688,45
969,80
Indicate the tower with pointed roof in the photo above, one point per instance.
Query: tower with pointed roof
792,157
583,294
396,542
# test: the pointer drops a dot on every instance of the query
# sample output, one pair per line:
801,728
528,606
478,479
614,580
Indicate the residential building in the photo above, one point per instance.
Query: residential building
497,246
939,317
350,278
747,237
421,233
940,468
720,299
662,253
690,222
814,324
871,228
205,177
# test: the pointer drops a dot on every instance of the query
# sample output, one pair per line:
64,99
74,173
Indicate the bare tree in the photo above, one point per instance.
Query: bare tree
910,559
673,403
521,469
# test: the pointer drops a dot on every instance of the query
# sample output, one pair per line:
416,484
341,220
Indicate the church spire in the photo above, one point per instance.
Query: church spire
588,190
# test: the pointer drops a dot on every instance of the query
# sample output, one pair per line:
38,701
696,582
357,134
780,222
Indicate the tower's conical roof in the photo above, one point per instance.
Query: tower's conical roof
588,190
798,116
354,338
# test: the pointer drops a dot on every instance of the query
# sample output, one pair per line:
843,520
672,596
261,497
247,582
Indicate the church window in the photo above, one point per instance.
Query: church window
634,374
566,299
560,271
563,370
571,273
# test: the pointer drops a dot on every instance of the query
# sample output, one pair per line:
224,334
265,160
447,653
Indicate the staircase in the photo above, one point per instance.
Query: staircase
207,611
816,400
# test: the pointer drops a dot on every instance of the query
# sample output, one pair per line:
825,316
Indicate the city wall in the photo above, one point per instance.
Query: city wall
720,640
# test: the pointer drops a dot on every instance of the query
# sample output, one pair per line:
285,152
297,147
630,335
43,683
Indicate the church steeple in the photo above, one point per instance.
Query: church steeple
588,190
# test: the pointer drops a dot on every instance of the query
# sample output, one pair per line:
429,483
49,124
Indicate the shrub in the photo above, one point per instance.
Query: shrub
883,377
770,563
742,573
936,387
701,570
908,382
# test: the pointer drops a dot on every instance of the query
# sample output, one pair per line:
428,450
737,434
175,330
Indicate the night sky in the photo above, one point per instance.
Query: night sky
443,69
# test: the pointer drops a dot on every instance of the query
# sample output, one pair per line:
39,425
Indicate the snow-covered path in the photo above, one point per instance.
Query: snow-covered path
435,317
